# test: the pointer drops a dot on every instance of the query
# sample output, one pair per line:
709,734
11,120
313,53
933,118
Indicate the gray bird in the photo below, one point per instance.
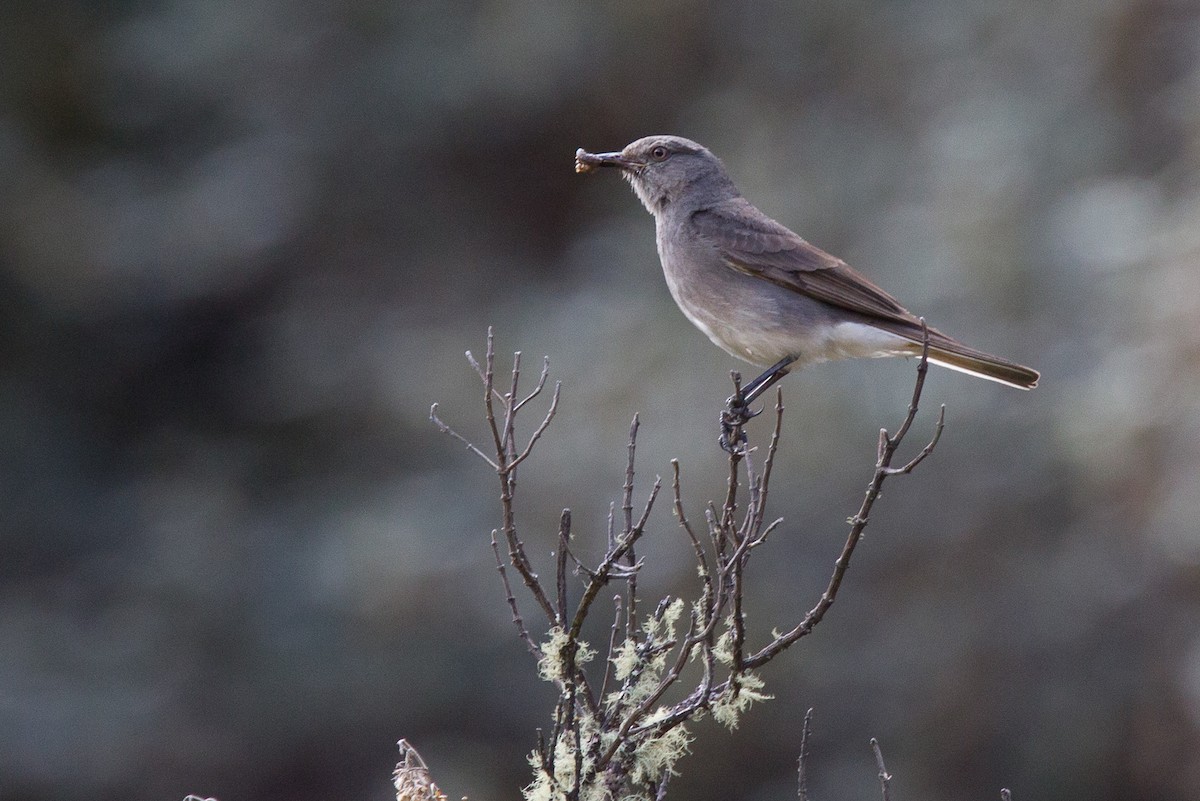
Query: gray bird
760,291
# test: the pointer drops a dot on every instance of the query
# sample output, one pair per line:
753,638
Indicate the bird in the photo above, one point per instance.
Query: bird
760,291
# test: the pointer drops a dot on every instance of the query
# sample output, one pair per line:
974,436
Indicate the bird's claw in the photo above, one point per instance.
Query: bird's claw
739,411
733,439
727,440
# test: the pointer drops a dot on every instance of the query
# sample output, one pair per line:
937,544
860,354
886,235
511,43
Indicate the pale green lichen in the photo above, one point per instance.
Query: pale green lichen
646,758
625,660
556,787
552,665
723,647
658,755
664,627
744,690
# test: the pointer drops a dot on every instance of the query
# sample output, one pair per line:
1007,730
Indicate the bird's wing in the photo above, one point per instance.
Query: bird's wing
753,243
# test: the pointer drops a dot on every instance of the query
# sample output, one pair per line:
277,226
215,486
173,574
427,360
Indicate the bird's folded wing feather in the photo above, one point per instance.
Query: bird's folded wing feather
753,243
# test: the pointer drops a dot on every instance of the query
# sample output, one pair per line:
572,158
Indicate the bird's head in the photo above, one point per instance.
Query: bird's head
664,170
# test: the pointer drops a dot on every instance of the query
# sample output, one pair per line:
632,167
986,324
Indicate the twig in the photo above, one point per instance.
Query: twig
541,429
801,766
602,574
560,577
858,523
627,511
769,463
507,435
522,632
708,598
888,445
445,429
612,646
537,390
885,778
489,389
664,684
928,449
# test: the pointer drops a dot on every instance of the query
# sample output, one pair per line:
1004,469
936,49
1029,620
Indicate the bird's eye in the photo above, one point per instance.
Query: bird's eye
659,153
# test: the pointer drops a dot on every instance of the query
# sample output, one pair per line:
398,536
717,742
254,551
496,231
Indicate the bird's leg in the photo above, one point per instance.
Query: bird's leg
758,386
737,410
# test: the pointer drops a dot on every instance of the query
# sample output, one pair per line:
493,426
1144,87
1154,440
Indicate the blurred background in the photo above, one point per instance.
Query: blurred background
243,246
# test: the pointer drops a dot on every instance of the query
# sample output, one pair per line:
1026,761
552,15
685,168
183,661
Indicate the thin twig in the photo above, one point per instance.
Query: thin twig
631,629
627,487
768,463
918,386
541,429
489,383
928,449
664,684
560,577
516,549
507,435
660,792
801,763
512,602
537,390
603,572
445,429
858,523
738,562
885,778
612,647
708,596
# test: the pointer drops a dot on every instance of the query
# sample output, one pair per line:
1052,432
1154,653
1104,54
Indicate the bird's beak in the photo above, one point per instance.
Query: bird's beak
586,162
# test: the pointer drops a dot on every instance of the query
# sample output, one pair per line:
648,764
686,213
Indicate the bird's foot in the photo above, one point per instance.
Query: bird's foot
738,411
735,415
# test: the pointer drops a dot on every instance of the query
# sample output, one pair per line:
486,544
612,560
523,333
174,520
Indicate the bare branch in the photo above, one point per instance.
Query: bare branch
604,572
885,778
769,463
522,632
631,627
708,599
507,437
537,390
445,429
489,389
516,555
660,792
541,429
612,646
928,449
918,386
564,540
858,523
651,660
483,373
645,516
627,487
801,766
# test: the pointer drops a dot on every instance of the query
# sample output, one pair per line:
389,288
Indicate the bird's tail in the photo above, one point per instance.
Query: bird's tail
953,354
